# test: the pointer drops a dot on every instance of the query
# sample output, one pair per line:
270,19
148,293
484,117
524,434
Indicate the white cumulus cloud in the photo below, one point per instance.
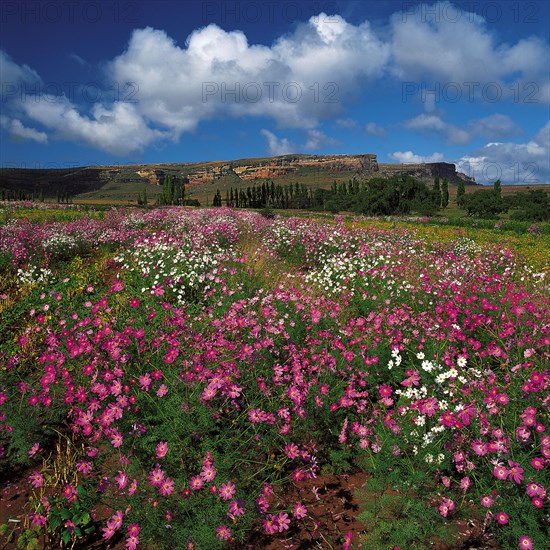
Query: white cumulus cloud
408,157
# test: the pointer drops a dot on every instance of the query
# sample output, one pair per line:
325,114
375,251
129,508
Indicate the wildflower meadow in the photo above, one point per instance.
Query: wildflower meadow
168,375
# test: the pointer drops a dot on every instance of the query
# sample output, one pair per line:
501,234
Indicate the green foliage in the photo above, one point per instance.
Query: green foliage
399,518
460,193
484,204
444,193
531,206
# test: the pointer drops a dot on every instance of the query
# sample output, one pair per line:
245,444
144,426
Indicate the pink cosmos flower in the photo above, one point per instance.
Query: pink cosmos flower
236,509
300,511
69,492
133,530
166,487
116,439
162,449
227,490
36,479
486,501
208,473
412,378
196,483
537,463
156,477
500,472
346,544
162,391
34,449
108,532
121,480
525,543
132,542
38,519
223,532
270,524
465,483
282,521
502,518
515,472
537,502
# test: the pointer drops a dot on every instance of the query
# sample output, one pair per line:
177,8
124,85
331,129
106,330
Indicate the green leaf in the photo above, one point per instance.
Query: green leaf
65,514
85,519
66,537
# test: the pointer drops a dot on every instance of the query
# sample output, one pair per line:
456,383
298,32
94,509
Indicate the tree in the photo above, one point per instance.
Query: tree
496,188
484,204
444,193
460,193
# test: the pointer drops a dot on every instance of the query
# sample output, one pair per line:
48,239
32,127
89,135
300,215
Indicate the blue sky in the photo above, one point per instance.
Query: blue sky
96,83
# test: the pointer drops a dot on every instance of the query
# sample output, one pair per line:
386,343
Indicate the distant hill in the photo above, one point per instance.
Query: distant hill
124,182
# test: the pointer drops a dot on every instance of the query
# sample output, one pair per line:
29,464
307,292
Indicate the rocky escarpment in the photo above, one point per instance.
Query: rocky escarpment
427,172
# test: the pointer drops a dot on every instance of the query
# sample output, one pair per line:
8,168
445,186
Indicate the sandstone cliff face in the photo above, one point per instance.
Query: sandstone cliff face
276,167
327,167
155,177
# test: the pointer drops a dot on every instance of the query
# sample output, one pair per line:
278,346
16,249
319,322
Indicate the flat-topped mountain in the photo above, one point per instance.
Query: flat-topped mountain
125,181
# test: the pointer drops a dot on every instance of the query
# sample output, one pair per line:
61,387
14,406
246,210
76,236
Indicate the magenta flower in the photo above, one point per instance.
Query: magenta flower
537,463
121,480
208,473
223,532
502,518
133,487
34,449
236,509
465,483
227,490
525,543
270,524
196,483
300,511
36,479
156,477
162,449
282,521
486,501
69,492
133,530
515,472
116,439
500,472
537,502
132,542
166,487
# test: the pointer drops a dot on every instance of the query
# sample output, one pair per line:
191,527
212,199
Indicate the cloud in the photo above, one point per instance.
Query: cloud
316,140
347,123
276,146
444,43
118,129
374,130
513,163
20,132
302,78
497,126
429,123
14,75
408,157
